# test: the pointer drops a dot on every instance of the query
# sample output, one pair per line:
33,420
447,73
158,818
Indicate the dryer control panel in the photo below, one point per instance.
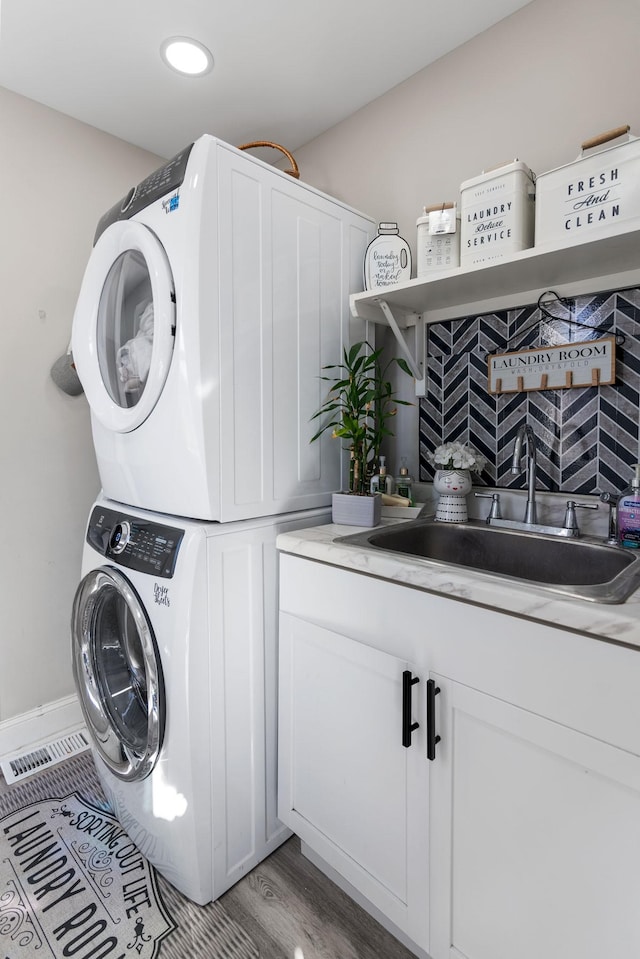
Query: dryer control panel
158,184
133,542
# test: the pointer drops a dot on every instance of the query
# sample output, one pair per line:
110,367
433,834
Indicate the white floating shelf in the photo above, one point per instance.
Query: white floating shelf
610,261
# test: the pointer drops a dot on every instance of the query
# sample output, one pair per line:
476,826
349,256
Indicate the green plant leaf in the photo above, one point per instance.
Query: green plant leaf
360,400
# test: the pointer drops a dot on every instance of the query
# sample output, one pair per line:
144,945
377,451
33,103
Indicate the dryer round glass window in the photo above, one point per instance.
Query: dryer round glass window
125,328
118,673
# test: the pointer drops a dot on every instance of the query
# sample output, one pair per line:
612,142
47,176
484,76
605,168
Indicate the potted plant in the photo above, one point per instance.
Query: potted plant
360,402
453,464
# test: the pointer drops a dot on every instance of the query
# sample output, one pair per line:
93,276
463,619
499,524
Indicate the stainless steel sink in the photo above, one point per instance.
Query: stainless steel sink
580,568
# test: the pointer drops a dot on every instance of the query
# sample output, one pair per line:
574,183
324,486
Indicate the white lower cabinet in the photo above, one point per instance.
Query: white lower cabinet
347,785
535,836
521,838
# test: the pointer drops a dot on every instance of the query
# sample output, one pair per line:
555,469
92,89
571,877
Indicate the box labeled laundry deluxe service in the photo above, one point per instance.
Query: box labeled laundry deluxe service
497,214
598,190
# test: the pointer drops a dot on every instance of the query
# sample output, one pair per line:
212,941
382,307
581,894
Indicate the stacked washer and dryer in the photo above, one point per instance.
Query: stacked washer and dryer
214,294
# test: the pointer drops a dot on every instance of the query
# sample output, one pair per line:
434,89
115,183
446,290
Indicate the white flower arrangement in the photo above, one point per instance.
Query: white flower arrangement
455,456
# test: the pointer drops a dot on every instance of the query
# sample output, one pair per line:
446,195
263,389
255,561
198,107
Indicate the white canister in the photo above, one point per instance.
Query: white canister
497,214
387,259
438,239
599,191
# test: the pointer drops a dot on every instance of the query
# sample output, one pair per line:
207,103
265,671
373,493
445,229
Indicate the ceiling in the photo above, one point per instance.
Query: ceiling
283,70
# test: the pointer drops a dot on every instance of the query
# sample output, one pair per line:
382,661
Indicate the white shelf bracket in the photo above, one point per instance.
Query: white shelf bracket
415,361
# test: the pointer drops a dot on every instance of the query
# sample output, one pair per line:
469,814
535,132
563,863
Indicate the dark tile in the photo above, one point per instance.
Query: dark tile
587,437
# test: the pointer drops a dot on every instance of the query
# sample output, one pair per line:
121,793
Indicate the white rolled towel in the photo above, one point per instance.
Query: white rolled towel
133,359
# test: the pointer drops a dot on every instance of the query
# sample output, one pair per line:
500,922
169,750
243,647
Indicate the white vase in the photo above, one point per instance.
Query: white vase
453,487
351,509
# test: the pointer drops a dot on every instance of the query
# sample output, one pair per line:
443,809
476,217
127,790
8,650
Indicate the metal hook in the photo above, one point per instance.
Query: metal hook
555,298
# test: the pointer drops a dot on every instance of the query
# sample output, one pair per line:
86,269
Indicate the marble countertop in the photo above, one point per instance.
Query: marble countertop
619,623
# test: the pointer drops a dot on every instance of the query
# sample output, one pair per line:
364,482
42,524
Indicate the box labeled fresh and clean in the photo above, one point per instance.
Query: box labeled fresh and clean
497,214
598,191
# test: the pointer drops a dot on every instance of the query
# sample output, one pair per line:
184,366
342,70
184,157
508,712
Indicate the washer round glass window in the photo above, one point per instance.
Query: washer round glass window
125,328
118,673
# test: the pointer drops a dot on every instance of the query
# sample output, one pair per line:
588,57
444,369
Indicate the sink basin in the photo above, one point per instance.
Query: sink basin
580,568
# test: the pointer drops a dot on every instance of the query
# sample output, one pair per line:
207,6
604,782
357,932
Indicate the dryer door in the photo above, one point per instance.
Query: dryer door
124,325
118,673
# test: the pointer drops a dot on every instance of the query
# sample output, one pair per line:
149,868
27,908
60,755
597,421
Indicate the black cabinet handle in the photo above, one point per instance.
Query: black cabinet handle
432,739
407,726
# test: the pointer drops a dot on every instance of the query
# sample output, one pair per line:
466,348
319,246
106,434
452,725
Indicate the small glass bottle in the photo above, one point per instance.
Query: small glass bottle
377,480
382,482
389,484
387,260
404,482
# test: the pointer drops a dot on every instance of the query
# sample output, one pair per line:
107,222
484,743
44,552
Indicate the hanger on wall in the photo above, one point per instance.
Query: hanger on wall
551,299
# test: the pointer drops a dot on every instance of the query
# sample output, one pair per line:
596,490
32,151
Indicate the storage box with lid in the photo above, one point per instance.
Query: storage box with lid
438,239
598,191
497,214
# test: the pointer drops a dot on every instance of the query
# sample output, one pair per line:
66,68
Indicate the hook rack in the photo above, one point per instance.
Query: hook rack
554,361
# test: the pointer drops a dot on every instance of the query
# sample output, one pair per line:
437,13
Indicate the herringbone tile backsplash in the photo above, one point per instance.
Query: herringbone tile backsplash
587,436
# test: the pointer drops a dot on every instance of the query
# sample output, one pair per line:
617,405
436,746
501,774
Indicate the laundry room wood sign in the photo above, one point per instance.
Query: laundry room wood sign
590,363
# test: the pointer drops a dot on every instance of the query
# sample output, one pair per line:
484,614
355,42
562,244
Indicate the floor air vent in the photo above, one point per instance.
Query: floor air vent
20,767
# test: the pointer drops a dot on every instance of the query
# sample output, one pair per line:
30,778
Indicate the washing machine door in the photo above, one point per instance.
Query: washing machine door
124,325
118,673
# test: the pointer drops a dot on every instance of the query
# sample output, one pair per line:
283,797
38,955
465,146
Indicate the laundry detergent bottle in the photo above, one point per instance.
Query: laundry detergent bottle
629,513
387,259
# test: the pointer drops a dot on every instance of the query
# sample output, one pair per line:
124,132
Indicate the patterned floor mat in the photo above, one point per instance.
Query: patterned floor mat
73,884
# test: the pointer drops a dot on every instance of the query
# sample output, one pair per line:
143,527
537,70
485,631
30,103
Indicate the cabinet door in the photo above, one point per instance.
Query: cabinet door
347,786
535,836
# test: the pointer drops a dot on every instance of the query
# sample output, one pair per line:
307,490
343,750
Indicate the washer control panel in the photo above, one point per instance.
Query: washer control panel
158,184
137,544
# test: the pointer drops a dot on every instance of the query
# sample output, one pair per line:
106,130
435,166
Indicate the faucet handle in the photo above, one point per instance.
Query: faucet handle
494,512
570,519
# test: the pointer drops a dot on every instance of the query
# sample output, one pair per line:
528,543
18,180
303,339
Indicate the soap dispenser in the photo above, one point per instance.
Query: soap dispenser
404,481
628,513
382,482
389,484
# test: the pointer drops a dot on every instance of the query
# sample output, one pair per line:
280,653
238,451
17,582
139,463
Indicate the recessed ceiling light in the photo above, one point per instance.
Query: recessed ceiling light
186,56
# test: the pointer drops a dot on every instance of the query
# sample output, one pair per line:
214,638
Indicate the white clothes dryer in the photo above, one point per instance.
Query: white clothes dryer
216,292
174,630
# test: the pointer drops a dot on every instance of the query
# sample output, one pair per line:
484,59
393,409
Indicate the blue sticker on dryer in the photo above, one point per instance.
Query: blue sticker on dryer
171,203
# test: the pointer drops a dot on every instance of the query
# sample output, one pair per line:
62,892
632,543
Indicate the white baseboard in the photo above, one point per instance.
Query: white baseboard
30,730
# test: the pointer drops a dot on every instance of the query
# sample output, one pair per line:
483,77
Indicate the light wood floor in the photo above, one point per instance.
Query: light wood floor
286,908
290,909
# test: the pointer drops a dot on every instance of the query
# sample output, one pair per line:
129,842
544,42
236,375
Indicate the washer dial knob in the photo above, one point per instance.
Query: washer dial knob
119,537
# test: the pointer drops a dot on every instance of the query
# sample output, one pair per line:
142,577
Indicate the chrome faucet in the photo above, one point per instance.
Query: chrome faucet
525,434
612,501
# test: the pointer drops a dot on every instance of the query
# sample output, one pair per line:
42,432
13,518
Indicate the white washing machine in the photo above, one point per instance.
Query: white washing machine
174,630
215,293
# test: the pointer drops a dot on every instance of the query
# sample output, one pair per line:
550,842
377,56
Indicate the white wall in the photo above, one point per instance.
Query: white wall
534,87
57,177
